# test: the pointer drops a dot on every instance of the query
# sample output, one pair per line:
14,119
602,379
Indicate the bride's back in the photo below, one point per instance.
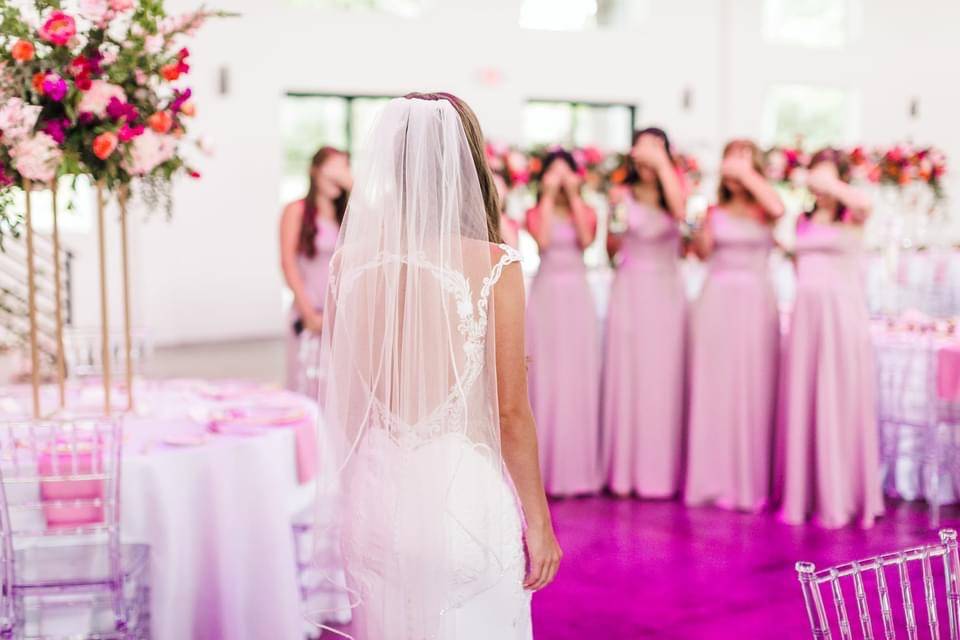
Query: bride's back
430,520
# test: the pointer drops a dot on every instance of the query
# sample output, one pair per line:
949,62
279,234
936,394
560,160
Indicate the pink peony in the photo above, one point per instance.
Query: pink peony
121,5
153,44
109,54
37,157
17,119
95,11
148,151
58,29
97,98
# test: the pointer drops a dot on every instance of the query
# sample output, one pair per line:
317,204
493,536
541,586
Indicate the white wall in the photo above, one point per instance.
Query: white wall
212,272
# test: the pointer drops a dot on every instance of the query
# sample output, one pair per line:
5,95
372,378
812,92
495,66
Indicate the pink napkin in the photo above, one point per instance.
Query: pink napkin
306,437
70,503
948,373
252,419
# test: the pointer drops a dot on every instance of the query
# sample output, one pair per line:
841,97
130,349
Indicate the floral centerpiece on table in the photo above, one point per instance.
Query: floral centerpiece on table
786,166
903,164
94,88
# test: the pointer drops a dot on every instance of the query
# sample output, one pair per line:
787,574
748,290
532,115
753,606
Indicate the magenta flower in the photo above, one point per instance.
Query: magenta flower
120,110
179,99
54,87
57,129
128,132
5,180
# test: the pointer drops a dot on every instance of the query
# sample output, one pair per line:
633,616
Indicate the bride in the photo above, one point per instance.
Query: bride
427,393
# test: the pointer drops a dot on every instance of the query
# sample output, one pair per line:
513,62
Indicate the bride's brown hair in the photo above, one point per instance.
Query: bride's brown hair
471,127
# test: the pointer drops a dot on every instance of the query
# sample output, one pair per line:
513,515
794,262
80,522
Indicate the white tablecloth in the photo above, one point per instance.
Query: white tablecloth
216,511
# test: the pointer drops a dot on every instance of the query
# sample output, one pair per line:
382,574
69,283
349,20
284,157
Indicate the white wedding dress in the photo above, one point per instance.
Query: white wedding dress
431,527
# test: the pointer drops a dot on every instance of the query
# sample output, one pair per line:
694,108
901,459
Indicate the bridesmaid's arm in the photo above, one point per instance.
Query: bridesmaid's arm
766,196
539,219
584,219
702,242
290,223
517,429
673,191
857,202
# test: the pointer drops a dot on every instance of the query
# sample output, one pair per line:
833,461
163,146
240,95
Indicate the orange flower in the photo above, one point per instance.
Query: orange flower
178,133
170,72
22,51
105,144
188,109
619,175
38,82
160,122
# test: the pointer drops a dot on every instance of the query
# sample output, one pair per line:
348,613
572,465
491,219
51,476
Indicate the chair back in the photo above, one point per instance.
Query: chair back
60,478
887,592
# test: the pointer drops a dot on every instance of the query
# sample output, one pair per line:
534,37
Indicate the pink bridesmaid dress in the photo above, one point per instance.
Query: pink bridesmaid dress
314,271
733,383
643,377
829,465
563,344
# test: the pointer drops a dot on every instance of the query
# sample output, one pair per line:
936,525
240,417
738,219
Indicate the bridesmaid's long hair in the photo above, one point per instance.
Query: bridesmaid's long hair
756,157
633,176
829,154
308,226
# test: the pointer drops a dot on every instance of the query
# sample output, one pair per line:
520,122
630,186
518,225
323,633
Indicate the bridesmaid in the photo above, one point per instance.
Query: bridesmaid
643,377
830,467
735,341
308,235
563,337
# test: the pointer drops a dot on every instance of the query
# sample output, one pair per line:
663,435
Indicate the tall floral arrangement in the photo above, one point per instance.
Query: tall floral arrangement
897,166
95,88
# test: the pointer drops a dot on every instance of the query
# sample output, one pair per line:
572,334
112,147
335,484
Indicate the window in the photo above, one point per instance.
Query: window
608,126
809,116
310,121
404,8
808,23
577,15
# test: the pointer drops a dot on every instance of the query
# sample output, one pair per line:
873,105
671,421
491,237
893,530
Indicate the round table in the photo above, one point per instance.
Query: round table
214,493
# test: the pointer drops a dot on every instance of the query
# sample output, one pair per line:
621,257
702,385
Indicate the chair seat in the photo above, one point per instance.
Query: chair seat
45,567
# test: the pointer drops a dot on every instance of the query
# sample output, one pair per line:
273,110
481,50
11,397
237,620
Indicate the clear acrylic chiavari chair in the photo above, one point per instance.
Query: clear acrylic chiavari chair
909,414
913,594
60,531
311,367
84,352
